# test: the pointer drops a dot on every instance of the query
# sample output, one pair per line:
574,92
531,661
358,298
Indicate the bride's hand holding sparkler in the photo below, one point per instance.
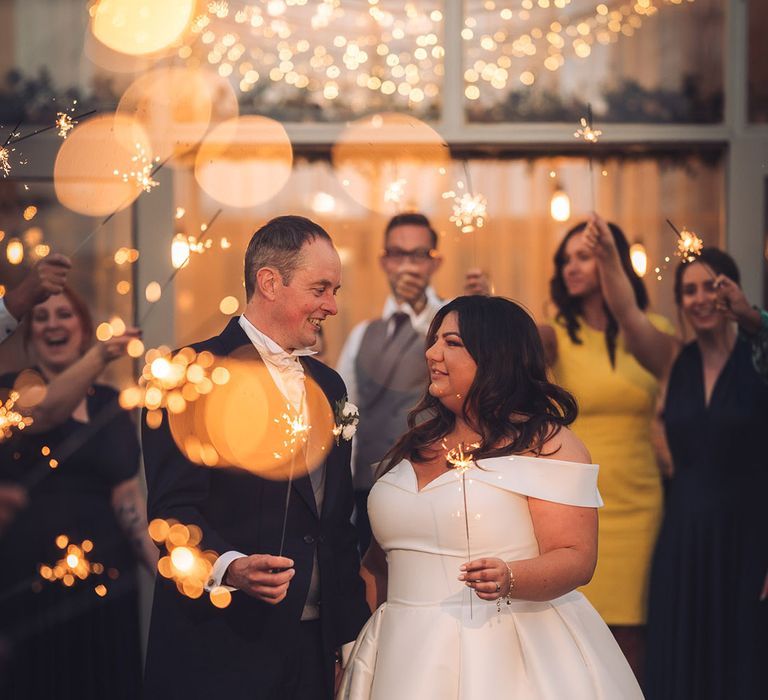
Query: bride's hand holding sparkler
490,577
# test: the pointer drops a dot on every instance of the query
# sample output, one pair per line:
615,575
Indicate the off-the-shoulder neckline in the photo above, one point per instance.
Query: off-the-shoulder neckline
510,458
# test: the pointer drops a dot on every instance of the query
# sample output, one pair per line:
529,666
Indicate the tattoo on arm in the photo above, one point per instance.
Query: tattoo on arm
133,523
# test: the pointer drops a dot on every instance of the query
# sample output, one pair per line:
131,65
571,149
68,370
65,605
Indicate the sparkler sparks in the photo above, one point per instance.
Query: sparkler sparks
10,418
186,564
64,124
587,132
689,245
469,210
395,191
74,565
298,432
143,172
461,460
171,382
5,160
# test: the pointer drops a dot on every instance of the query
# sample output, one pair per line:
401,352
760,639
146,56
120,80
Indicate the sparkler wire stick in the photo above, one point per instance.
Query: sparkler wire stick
287,503
173,274
13,131
77,117
674,228
298,428
468,178
466,527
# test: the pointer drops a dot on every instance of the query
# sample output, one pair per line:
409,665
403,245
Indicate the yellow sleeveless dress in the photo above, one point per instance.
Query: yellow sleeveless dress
616,407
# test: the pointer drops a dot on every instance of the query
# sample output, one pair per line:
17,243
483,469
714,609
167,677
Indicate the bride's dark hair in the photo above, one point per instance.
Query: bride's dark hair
511,403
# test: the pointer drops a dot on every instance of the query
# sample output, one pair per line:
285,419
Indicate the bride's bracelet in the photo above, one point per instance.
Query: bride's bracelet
508,595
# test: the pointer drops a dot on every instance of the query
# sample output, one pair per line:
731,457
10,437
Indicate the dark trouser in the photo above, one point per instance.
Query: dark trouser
362,523
313,676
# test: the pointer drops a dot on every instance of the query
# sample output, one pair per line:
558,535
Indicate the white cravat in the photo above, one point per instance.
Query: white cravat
284,367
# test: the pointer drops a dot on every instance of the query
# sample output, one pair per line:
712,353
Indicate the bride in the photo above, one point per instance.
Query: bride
476,556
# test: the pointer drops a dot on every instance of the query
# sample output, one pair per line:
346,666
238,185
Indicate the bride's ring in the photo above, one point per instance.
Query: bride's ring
498,587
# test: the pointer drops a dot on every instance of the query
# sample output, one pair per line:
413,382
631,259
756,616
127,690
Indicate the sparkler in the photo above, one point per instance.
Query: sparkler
186,564
298,432
689,245
144,170
395,190
461,460
589,135
63,124
171,382
10,418
74,565
123,204
200,245
5,160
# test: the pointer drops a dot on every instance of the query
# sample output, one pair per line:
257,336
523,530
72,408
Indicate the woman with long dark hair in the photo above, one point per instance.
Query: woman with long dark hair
484,518
589,357
707,612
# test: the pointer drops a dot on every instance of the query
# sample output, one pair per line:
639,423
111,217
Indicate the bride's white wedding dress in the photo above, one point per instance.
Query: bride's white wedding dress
434,638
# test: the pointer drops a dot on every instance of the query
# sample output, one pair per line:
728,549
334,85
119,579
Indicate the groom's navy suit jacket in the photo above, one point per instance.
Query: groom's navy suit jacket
243,651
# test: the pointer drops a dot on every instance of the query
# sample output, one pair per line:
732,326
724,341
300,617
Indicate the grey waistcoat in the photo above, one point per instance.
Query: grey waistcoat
391,377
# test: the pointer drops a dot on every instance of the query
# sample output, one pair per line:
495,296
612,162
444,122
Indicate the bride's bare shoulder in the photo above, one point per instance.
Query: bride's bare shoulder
567,447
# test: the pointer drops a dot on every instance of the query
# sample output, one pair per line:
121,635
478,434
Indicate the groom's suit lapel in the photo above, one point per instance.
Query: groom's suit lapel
235,341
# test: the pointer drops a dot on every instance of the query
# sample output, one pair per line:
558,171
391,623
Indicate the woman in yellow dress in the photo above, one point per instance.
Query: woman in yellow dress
617,400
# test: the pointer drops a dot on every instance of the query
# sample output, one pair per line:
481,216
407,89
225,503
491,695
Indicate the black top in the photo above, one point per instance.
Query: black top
707,630
68,641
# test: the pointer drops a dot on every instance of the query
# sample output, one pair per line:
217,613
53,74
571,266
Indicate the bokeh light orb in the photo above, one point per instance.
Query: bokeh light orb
139,27
176,106
245,161
87,174
246,423
382,160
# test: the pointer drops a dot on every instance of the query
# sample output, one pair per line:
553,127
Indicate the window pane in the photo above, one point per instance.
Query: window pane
515,245
656,61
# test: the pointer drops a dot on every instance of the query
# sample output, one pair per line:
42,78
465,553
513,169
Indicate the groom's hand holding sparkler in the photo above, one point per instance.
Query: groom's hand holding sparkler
262,576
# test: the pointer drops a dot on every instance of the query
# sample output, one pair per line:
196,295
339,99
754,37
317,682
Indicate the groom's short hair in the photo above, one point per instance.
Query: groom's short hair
278,244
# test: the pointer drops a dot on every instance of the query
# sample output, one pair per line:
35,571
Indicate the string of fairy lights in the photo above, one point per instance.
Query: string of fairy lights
540,35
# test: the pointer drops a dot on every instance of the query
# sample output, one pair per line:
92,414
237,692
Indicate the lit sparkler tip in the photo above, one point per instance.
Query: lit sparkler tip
689,245
469,211
395,191
64,123
460,457
5,160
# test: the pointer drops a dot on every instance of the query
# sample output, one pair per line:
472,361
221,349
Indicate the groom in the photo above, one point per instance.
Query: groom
289,615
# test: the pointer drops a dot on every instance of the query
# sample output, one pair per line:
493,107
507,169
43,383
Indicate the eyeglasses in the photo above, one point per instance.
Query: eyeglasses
416,256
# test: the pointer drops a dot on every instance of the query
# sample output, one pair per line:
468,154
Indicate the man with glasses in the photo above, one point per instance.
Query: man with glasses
382,361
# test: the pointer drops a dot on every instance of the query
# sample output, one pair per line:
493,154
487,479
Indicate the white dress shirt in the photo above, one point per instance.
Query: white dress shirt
8,323
288,374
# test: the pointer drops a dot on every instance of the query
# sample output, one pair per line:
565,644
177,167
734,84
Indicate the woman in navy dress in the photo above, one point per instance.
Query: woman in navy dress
708,617
72,637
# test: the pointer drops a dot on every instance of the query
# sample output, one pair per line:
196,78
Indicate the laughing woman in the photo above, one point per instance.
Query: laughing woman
77,636
708,617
